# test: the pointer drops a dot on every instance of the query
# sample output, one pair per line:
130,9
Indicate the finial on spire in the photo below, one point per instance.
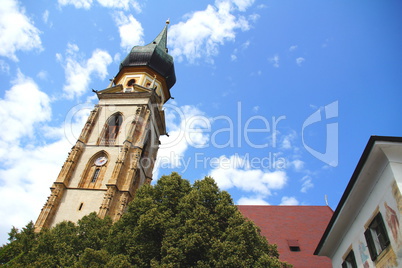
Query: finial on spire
167,21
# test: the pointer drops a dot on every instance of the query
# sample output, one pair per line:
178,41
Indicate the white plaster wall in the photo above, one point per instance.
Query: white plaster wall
381,193
397,168
70,203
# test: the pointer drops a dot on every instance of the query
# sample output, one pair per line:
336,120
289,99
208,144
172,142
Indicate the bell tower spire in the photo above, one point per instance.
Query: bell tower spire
116,151
161,39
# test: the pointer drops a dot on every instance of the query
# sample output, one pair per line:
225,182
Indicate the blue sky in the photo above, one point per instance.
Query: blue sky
275,99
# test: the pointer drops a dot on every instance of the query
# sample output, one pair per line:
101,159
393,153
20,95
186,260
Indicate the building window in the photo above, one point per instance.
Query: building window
94,172
131,83
294,249
96,175
294,245
350,261
376,237
111,130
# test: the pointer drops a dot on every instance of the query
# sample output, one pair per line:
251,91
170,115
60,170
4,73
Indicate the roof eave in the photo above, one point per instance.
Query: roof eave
363,159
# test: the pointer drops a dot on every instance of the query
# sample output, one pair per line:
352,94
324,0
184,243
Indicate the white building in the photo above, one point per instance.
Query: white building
365,228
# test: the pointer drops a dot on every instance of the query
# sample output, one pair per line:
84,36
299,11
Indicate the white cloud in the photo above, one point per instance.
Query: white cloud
45,16
300,60
123,4
117,58
87,4
253,17
23,106
297,164
204,31
17,31
25,182
286,144
289,201
293,48
23,164
78,72
185,125
275,61
252,201
30,163
288,139
131,31
307,184
258,73
236,172
42,75
4,67
73,122
245,45
242,5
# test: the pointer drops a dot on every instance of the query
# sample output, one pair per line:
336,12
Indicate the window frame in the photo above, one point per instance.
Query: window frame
294,245
93,174
350,260
376,236
111,130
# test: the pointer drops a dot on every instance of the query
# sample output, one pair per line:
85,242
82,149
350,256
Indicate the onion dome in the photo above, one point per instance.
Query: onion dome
154,55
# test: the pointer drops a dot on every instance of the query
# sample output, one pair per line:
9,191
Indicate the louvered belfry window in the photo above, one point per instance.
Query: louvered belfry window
111,130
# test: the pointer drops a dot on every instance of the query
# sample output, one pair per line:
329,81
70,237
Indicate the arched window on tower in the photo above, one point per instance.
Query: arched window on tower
95,169
130,85
111,130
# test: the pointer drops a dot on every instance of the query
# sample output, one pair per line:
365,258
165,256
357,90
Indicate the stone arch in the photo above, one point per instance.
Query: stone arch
111,129
94,171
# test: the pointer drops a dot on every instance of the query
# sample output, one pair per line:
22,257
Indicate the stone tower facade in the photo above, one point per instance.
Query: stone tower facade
116,151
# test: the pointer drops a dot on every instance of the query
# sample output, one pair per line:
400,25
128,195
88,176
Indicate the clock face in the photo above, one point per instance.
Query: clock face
100,161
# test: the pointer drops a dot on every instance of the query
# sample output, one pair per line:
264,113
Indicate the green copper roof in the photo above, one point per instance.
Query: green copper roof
161,39
155,56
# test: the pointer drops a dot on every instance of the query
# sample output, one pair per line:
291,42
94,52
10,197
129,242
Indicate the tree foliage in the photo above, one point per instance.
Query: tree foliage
170,224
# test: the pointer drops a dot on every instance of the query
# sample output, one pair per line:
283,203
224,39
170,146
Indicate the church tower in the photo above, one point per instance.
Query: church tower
116,151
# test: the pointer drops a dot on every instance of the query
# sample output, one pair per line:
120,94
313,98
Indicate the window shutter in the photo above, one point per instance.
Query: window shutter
370,244
384,232
353,259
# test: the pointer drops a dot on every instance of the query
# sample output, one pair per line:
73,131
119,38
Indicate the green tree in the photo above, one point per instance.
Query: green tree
60,246
170,224
21,243
174,224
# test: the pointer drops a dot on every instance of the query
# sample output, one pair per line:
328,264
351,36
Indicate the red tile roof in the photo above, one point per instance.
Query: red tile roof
291,225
